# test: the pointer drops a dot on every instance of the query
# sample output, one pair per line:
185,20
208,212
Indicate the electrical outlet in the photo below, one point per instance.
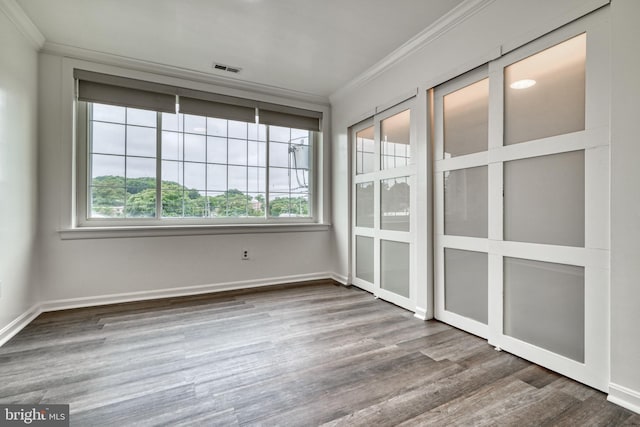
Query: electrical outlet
245,254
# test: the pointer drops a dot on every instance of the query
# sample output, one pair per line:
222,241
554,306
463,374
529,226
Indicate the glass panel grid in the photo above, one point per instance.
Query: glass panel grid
365,151
394,267
395,201
466,283
122,163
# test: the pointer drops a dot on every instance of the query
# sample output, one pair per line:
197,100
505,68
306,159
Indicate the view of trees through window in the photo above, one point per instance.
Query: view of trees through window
200,167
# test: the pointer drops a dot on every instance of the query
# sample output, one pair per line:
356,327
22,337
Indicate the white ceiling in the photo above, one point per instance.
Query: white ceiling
309,46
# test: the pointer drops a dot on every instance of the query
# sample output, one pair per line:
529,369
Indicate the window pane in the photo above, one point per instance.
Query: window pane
466,202
299,156
279,154
141,200
394,204
172,146
217,150
107,138
544,94
217,177
394,264
195,148
195,176
217,204
172,173
172,201
141,141
365,151
257,132
279,180
172,122
141,117
107,202
364,205
216,127
544,199
279,134
237,129
364,258
104,167
257,153
257,180
299,181
281,205
237,152
108,113
544,305
195,205
238,178
466,289
195,124
141,168
256,205
466,120
395,141
237,203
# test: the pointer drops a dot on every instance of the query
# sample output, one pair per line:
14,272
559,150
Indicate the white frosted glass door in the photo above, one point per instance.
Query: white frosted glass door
521,200
383,204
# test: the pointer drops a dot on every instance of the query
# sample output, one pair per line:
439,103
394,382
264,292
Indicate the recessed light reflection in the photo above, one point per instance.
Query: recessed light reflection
522,84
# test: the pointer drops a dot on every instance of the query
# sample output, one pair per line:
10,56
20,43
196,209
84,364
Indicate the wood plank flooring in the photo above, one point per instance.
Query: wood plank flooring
291,356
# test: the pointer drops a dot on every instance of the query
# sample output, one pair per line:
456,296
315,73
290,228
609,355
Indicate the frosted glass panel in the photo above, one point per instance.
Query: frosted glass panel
394,265
394,204
544,94
364,205
395,148
365,151
544,305
466,120
466,283
544,199
364,258
465,202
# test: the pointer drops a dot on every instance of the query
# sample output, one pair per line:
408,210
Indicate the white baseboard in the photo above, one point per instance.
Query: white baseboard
340,278
421,313
19,323
65,304
625,397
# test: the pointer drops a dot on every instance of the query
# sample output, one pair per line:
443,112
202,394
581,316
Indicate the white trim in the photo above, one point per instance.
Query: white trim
625,397
340,278
450,20
181,73
185,230
65,304
20,19
421,313
19,323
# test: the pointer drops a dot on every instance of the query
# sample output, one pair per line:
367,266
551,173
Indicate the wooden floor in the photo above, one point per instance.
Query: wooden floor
289,356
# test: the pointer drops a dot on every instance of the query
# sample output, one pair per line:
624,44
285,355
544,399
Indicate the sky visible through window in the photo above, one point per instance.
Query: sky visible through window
207,168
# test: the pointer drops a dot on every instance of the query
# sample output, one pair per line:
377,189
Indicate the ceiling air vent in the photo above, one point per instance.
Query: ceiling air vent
228,68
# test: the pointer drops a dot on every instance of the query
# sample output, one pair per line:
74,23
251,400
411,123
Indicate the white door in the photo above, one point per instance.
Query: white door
521,201
383,204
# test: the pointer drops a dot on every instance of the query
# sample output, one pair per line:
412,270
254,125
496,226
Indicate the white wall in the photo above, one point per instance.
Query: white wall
625,197
98,267
18,171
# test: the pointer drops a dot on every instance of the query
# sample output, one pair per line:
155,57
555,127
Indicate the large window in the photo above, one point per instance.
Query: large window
153,166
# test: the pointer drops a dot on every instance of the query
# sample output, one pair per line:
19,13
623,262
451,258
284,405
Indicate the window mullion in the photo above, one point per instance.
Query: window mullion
158,165
267,200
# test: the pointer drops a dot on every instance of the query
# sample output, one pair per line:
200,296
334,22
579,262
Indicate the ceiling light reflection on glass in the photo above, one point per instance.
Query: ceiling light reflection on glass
522,84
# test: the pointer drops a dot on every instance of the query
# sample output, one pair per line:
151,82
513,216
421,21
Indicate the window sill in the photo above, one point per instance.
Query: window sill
184,230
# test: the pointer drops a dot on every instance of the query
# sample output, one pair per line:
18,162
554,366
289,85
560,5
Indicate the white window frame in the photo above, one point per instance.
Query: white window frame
73,204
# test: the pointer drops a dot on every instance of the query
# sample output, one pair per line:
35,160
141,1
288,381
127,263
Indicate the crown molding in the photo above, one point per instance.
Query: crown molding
450,20
20,19
179,72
